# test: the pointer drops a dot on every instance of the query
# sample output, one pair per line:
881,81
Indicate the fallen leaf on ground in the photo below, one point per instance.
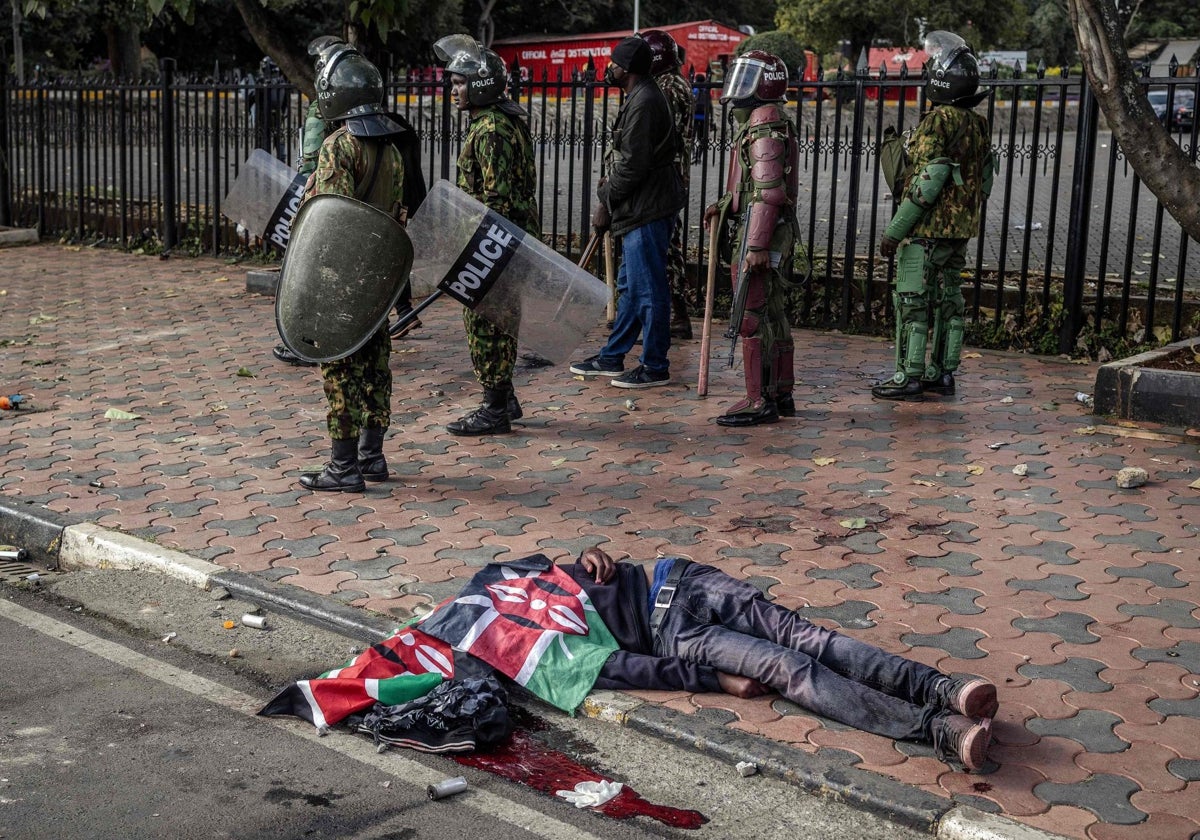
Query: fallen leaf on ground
245,372
118,414
824,462
854,524
1086,430
924,483
975,469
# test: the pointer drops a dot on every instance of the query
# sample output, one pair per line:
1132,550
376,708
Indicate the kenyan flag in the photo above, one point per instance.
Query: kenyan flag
533,623
402,667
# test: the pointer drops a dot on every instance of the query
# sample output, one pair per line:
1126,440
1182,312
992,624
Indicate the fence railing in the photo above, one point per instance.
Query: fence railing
1069,223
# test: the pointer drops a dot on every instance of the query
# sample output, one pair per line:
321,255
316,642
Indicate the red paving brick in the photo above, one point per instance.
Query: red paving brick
948,550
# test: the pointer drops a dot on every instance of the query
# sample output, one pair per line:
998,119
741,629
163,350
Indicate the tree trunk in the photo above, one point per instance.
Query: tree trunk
293,59
124,50
1158,161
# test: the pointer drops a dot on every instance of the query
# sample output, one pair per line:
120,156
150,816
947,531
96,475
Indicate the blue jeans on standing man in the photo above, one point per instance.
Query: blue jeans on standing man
729,624
644,301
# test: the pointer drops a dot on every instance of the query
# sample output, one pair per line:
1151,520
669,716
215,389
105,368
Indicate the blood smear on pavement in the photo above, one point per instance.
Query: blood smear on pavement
526,760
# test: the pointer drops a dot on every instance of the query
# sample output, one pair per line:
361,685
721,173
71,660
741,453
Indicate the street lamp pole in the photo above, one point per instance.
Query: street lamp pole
637,12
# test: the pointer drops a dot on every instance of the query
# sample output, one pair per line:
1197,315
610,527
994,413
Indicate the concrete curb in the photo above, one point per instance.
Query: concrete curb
85,545
18,236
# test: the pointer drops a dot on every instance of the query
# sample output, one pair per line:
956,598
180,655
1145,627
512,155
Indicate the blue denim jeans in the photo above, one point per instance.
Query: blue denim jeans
644,301
727,623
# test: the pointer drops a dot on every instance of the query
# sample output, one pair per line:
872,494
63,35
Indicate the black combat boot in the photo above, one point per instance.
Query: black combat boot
910,390
514,407
767,412
341,474
491,418
371,462
283,354
943,385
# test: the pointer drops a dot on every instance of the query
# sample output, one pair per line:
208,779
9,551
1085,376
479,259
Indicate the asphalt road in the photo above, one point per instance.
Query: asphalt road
108,731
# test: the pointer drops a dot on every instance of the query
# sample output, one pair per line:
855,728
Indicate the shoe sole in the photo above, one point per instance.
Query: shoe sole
978,700
619,384
974,747
581,372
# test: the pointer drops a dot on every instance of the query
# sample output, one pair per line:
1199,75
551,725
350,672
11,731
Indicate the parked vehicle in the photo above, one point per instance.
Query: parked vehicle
1183,107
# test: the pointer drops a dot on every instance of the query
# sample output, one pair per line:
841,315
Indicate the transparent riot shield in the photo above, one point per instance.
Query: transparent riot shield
524,287
265,197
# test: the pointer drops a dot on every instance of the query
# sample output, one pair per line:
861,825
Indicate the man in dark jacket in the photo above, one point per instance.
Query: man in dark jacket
684,625
638,200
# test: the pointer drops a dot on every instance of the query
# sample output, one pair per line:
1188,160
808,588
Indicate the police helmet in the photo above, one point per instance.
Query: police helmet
952,69
756,74
348,85
665,54
484,70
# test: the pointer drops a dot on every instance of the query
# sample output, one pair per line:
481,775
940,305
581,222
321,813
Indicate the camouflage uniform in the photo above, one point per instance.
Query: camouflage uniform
359,387
312,135
496,166
679,96
933,257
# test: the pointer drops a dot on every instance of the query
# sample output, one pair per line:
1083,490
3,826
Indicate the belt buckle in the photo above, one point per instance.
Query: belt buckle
664,597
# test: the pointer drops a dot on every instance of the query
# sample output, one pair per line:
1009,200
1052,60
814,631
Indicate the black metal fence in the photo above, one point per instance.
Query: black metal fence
1069,230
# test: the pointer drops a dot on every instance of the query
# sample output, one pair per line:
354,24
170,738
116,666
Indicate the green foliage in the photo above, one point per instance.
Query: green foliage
777,43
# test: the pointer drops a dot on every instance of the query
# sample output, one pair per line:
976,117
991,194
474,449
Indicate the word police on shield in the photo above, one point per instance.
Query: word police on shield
265,197
481,263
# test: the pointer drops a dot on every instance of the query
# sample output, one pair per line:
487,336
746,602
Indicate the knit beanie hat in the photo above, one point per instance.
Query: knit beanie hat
633,55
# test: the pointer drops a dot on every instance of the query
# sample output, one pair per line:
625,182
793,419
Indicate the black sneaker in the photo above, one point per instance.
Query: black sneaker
593,367
639,377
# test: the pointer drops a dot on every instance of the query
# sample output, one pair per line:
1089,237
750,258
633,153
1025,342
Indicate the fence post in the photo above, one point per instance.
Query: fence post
589,116
168,172
5,183
856,157
444,89
217,172
80,141
1079,220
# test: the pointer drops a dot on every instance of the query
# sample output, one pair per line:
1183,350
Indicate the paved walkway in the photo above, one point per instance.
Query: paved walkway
904,524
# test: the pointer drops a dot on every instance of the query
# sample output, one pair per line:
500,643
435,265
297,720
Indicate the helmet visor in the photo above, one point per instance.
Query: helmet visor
943,48
742,80
460,53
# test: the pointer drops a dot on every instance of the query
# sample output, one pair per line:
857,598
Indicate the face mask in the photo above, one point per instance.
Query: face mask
610,74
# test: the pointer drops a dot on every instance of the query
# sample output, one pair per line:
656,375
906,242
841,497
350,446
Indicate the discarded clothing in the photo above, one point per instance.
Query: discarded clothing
456,716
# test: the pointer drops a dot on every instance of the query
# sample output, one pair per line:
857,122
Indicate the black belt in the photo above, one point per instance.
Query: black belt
666,594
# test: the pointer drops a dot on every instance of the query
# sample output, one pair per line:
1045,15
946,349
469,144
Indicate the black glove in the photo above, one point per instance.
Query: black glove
888,246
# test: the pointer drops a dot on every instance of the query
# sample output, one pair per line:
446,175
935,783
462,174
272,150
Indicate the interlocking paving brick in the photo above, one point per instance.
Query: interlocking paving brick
957,563
1062,587
1092,729
1105,795
1050,551
1068,626
1160,574
1184,708
1139,540
1077,672
959,642
1187,769
957,599
856,576
849,614
1174,612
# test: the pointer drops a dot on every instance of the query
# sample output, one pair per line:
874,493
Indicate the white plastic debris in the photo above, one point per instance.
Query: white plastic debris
746,768
591,794
1021,469
167,638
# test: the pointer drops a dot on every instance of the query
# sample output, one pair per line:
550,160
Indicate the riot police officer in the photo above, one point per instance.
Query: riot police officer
763,185
949,177
358,160
496,166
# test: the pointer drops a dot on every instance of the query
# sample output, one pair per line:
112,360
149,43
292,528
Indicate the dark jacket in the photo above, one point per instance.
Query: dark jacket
643,184
622,603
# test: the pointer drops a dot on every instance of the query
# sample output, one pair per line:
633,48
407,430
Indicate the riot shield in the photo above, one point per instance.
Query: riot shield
342,274
511,278
265,197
